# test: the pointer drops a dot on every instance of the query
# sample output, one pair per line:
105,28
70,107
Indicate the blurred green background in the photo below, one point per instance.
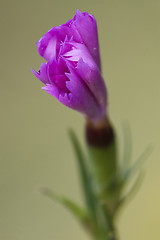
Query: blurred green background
35,148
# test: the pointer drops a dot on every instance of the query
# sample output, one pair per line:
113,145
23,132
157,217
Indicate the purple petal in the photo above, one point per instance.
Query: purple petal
93,79
60,82
47,48
57,67
80,98
80,51
49,45
42,74
52,90
87,28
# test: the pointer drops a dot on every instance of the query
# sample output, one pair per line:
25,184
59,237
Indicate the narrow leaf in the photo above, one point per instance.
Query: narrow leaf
131,193
84,174
138,164
127,151
74,208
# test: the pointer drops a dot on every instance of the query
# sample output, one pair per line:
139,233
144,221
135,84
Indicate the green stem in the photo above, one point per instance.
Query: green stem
101,144
109,236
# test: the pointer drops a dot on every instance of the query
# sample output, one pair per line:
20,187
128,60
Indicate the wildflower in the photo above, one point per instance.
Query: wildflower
72,71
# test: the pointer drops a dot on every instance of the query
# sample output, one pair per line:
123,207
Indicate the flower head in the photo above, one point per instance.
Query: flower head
72,71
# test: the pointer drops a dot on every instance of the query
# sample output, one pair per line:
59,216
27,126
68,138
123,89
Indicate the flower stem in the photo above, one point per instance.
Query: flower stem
102,150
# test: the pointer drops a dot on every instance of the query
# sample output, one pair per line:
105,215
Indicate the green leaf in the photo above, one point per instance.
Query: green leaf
131,193
127,151
138,164
74,208
84,174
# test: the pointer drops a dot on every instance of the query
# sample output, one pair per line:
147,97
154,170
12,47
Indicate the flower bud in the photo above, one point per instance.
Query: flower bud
72,71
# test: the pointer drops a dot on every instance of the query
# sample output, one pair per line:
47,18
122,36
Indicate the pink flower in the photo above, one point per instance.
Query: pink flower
72,71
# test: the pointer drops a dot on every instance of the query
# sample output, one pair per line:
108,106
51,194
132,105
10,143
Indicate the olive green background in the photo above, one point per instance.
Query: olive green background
35,147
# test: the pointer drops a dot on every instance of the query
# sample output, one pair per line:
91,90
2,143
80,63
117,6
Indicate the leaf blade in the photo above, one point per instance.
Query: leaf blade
132,191
80,214
127,149
138,164
90,197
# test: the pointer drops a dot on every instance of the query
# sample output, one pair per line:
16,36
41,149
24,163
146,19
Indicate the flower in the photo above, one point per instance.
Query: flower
72,71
